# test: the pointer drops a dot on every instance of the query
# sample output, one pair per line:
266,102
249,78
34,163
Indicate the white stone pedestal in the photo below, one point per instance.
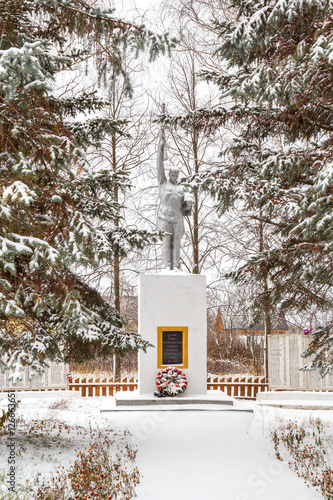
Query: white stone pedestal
173,301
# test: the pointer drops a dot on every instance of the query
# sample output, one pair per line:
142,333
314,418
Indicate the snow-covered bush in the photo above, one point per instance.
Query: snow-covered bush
306,452
5,494
94,475
226,366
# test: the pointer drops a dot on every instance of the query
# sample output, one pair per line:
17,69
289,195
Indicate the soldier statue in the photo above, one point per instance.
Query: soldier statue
175,203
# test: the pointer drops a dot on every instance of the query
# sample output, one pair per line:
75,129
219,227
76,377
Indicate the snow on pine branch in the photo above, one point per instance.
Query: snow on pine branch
9,307
105,25
19,65
18,192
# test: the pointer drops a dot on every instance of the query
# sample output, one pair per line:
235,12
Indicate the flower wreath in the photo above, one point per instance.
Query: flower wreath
170,382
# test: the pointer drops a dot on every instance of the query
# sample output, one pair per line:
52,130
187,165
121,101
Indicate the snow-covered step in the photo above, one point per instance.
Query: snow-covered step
215,400
309,400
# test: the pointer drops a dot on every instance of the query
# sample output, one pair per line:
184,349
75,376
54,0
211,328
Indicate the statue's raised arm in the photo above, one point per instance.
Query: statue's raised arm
161,154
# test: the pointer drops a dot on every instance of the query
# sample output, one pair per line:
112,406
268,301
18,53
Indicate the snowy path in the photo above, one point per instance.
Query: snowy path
207,456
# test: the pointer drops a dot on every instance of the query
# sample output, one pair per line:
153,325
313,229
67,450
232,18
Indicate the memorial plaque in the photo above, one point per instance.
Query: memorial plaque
54,376
3,379
40,380
285,363
276,365
172,348
294,362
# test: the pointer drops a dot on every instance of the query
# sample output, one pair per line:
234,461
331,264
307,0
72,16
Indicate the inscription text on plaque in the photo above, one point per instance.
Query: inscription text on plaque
172,346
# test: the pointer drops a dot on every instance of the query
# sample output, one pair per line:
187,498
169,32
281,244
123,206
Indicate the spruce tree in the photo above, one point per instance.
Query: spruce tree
278,71
56,213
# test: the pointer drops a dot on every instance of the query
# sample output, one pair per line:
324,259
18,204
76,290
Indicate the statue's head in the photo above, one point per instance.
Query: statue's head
188,203
173,175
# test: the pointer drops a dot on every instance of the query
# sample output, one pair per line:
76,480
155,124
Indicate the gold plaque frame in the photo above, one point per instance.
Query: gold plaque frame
160,330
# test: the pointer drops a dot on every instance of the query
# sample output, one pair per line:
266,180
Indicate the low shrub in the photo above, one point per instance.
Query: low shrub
5,416
5,494
94,474
226,366
306,452
102,366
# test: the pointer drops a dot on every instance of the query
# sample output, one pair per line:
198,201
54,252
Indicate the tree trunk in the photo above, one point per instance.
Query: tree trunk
116,263
195,144
267,312
116,284
195,210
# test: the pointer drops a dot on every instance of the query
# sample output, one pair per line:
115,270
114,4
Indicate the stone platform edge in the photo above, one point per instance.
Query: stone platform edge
135,399
220,402
294,395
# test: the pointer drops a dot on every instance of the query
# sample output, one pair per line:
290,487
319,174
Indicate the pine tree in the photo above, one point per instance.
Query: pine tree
56,213
279,169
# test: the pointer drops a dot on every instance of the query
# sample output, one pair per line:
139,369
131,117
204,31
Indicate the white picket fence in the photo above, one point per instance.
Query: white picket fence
90,386
246,387
239,387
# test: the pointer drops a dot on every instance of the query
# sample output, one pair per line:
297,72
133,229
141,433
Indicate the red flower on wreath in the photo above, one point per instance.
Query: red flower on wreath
173,382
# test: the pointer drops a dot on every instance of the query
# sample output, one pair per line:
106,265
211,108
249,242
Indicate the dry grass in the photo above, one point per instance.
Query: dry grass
306,452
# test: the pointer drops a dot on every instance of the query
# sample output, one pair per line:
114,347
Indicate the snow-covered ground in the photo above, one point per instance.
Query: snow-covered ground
183,455
221,455
50,431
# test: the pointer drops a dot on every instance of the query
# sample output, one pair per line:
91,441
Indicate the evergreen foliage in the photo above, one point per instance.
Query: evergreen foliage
278,59
55,211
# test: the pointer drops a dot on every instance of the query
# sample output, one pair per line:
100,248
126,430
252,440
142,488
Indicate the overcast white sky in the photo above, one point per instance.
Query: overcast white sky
135,9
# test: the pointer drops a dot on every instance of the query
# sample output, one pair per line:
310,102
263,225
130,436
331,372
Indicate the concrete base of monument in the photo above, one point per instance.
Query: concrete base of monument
304,400
219,398
173,319
217,401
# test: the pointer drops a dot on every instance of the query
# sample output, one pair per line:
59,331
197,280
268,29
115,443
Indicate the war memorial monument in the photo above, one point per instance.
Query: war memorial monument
172,308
